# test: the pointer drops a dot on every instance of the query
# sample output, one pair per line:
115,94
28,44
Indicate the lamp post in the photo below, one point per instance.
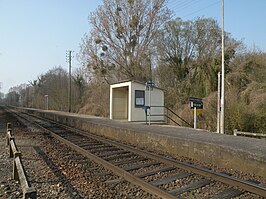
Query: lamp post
149,87
46,101
218,102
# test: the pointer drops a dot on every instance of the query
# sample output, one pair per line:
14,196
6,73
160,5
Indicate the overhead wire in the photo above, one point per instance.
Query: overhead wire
188,5
183,4
174,2
199,10
177,6
180,4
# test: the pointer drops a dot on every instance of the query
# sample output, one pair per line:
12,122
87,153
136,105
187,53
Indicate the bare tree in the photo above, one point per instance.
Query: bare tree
79,87
120,43
13,97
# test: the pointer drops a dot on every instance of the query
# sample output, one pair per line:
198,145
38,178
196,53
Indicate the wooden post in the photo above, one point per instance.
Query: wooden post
30,192
12,147
7,138
15,169
18,172
8,126
9,133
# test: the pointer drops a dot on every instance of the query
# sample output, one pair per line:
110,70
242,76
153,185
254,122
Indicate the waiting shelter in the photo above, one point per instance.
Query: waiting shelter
129,99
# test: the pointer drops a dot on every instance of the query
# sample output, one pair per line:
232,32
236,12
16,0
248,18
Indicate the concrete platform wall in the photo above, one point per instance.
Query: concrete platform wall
236,158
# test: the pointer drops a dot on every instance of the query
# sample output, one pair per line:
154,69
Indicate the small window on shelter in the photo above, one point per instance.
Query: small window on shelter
139,98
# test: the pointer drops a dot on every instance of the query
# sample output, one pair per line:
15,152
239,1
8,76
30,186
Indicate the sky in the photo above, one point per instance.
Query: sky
35,34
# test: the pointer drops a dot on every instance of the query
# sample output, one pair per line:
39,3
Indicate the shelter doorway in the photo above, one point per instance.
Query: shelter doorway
120,103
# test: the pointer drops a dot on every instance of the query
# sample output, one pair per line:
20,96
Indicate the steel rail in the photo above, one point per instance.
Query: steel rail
226,179
116,170
230,180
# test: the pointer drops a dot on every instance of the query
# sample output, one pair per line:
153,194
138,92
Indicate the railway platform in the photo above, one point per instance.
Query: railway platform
239,153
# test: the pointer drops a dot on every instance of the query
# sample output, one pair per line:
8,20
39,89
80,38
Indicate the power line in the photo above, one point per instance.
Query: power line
187,5
183,4
174,2
204,8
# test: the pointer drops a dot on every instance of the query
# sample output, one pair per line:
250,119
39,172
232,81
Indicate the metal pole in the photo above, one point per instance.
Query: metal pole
46,102
69,71
195,117
150,105
218,102
223,76
167,122
32,98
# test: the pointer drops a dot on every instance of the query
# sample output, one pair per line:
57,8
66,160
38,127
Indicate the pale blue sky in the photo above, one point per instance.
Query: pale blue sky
35,34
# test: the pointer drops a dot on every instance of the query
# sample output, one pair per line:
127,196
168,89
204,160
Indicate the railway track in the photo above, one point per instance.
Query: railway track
159,175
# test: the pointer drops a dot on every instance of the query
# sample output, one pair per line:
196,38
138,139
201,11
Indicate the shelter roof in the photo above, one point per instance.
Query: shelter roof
133,81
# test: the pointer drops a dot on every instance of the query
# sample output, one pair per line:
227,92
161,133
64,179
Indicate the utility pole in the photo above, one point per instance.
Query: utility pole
223,76
69,59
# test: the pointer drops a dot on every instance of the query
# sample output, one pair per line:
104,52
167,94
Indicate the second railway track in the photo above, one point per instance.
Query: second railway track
159,175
